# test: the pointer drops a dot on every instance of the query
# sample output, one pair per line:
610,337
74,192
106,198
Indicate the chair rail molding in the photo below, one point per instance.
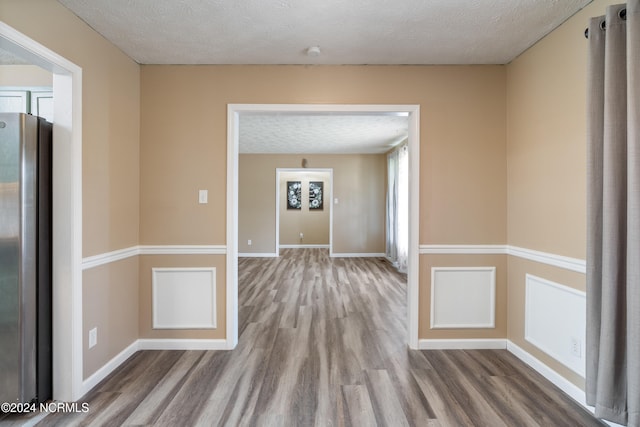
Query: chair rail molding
120,254
555,260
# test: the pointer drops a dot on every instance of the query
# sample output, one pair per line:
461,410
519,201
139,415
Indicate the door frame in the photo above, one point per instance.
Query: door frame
235,111
67,210
328,196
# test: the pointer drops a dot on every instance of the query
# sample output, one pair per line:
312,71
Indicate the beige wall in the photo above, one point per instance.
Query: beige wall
518,268
462,142
358,183
110,119
24,75
145,319
424,320
502,160
546,173
110,164
313,224
463,116
110,301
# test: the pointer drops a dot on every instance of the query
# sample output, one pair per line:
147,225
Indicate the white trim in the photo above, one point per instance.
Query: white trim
277,236
492,299
575,392
569,388
120,254
560,261
156,290
67,210
231,294
463,344
563,314
233,113
150,344
463,249
183,344
305,246
568,263
109,257
95,378
183,250
413,271
34,420
359,255
257,255
328,196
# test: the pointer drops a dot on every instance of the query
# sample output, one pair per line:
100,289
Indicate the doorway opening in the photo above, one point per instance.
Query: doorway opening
293,230
67,209
234,114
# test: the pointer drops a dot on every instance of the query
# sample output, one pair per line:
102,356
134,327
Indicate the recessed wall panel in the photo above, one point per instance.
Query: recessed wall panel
184,298
463,297
555,319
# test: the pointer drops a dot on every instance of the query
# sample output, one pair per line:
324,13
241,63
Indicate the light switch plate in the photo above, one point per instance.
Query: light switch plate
93,337
203,196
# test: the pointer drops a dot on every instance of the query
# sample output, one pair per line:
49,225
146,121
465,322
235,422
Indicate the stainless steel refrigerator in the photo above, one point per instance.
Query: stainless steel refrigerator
25,258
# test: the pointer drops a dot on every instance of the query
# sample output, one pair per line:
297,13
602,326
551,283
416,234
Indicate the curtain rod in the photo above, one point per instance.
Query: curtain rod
603,25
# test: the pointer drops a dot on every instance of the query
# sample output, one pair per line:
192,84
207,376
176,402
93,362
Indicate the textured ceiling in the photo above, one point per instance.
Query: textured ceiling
347,31
321,133
9,58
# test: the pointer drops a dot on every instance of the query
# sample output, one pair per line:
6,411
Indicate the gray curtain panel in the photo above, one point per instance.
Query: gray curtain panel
613,215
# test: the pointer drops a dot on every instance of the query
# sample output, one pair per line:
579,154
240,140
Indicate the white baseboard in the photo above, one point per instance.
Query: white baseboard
358,255
481,344
109,367
575,392
150,344
182,344
258,255
304,246
463,344
569,388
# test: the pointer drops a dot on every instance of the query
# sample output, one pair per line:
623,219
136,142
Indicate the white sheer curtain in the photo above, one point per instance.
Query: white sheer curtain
398,207
392,203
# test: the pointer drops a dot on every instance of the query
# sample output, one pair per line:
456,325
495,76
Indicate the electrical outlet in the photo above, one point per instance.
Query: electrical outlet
576,347
301,236
249,242
93,337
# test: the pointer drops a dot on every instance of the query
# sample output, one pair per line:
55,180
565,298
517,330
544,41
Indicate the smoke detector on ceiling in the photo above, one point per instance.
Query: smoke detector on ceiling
314,51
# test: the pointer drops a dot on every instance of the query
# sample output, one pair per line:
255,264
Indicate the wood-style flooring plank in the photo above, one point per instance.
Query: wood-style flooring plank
358,406
414,403
322,342
386,405
155,402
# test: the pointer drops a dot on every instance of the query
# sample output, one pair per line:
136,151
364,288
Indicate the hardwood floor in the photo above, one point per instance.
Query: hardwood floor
323,343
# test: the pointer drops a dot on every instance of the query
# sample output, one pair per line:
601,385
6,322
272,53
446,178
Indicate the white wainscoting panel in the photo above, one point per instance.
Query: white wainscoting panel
184,298
555,321
463,297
